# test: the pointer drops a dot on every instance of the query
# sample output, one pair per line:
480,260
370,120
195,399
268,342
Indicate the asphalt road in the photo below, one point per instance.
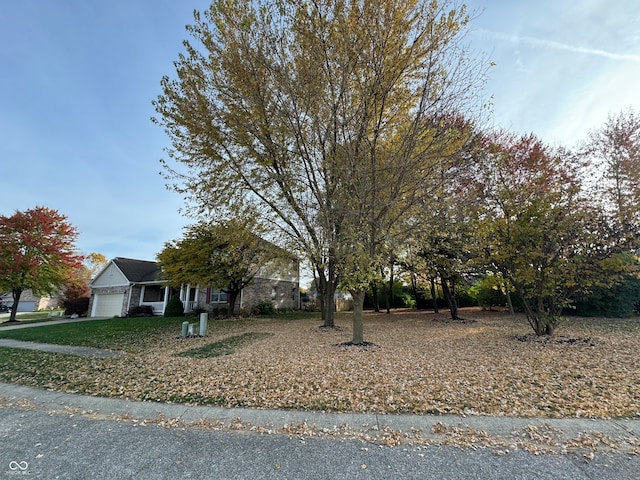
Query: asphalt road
42,445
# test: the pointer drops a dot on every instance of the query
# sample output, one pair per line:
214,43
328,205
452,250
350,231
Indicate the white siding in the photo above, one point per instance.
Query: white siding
109,277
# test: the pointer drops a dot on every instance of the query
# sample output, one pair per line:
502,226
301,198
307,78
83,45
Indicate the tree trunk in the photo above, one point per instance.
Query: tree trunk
16,292
386,299
541,323
536,323
434,298
511,312
414,289
358,307
390,294
532,316
233,296
327,285
550,327
451,301
328,306
535,315
376,296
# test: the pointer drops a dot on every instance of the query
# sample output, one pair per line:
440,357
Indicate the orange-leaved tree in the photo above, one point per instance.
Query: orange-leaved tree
37,252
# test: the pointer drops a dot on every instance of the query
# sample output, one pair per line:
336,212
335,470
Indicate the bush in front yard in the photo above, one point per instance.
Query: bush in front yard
77,306
174,307
264,308
141,311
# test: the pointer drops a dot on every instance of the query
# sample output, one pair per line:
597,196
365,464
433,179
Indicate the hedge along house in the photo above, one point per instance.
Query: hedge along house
125,283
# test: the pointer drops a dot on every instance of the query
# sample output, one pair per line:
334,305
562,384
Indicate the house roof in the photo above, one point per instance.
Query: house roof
138,270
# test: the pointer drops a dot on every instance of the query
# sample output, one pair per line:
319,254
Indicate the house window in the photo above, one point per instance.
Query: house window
218,296
274,294
153,293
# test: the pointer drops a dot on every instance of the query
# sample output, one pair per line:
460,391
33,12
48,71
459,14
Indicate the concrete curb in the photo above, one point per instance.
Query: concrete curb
622,431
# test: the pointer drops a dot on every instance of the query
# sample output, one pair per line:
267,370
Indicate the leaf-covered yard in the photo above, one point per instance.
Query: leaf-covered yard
421,363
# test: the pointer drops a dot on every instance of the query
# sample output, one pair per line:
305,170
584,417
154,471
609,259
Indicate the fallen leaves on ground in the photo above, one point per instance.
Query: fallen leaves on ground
488,367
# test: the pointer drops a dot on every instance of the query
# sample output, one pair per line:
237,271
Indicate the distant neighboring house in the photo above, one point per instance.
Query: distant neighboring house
125,283
343,301
29,302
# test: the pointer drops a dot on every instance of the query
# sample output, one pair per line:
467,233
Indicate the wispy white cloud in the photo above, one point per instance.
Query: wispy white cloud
538,42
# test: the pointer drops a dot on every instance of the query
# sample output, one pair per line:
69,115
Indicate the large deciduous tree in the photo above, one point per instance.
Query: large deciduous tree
537,228
225,256
318,116
614,149
37,252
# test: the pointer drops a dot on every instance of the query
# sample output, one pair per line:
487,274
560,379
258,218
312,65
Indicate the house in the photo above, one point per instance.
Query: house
125,283
29,302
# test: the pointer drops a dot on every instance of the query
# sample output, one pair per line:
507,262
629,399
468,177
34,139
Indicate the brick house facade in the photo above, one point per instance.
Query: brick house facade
125,283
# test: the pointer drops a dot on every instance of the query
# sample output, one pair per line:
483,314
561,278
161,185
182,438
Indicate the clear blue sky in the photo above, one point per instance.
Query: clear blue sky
77,79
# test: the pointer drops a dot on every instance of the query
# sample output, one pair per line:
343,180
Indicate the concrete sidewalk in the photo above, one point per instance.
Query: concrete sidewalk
67,349
573,435
17,325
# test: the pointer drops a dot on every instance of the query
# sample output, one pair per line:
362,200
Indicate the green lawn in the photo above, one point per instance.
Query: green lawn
122,333
110,333
32,317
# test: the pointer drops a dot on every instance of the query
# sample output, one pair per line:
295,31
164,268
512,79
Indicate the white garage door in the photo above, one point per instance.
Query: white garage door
108,305
26,306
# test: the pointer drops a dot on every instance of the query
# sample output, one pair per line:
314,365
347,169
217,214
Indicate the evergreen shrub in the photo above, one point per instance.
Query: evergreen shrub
174,307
